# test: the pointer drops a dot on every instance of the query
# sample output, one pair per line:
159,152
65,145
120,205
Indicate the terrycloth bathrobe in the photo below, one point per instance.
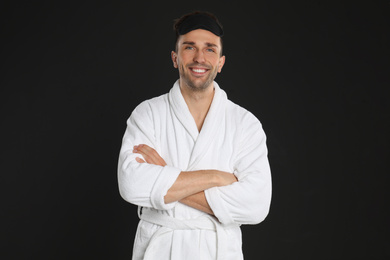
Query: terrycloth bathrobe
231,140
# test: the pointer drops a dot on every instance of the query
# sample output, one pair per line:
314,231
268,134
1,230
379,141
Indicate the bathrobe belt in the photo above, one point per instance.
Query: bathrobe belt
169,224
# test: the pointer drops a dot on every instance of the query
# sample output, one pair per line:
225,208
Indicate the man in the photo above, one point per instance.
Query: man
194,162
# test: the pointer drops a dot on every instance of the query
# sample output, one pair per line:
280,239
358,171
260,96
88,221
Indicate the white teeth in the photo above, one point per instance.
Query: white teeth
199,70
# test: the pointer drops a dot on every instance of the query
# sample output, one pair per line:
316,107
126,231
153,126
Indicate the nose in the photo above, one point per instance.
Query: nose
199,56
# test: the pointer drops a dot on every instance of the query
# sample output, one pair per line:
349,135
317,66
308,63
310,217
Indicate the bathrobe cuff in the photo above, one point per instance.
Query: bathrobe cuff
163,183
213,197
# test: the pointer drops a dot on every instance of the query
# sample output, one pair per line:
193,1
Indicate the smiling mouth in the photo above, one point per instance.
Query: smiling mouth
198,71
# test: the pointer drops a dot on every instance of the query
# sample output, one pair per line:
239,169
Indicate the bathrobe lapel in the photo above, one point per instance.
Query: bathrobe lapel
212,124
183,114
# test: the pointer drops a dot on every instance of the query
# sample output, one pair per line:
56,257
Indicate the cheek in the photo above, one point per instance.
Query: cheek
213,59
185,55
181,68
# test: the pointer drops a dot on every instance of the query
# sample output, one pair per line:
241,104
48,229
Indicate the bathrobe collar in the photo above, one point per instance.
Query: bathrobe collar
211,125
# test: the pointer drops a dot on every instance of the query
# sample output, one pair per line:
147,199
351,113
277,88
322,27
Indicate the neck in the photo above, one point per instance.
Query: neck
198,102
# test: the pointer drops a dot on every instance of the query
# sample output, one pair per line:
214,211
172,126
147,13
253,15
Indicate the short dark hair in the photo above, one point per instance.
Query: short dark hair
178,21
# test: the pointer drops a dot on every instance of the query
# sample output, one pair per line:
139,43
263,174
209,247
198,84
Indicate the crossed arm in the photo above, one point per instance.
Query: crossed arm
189,186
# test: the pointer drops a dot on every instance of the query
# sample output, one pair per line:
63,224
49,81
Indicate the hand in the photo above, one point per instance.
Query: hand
150,155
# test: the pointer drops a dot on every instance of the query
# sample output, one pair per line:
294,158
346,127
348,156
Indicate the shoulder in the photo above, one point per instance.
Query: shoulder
248,127
152,105
241,115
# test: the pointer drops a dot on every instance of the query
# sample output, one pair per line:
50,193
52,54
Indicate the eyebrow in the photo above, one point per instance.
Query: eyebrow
208,44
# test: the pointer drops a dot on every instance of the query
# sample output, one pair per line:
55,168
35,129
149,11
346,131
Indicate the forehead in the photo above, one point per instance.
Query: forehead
200,37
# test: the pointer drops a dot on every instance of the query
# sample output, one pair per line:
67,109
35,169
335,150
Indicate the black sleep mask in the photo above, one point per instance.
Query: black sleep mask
200,21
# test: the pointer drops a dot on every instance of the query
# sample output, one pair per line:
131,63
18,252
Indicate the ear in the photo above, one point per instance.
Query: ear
221,63
174,59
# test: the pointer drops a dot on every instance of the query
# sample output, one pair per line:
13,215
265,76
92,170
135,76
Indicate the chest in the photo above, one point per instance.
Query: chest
208,149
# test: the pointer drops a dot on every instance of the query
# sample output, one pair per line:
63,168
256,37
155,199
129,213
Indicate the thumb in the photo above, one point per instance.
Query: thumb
139,160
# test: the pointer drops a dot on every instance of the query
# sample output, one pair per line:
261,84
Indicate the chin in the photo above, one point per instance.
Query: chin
199,86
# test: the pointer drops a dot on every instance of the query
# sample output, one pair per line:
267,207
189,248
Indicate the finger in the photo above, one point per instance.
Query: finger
139,160
135,149
148,157
151,154
142,149
157,159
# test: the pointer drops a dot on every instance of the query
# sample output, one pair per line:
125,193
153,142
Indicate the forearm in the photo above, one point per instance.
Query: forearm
198,201
190,183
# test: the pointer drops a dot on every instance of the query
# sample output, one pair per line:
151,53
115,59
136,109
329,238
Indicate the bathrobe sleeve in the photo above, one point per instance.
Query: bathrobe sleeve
143,184
248,200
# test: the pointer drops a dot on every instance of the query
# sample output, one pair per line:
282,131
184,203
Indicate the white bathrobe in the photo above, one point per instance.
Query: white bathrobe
231,140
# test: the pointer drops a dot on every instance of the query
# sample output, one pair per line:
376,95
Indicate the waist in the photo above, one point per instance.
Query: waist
204,222
170,224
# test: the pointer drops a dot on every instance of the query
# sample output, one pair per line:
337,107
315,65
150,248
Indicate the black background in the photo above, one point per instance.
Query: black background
316,74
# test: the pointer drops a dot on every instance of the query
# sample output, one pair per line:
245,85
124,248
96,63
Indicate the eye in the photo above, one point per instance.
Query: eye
210,50
189,48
